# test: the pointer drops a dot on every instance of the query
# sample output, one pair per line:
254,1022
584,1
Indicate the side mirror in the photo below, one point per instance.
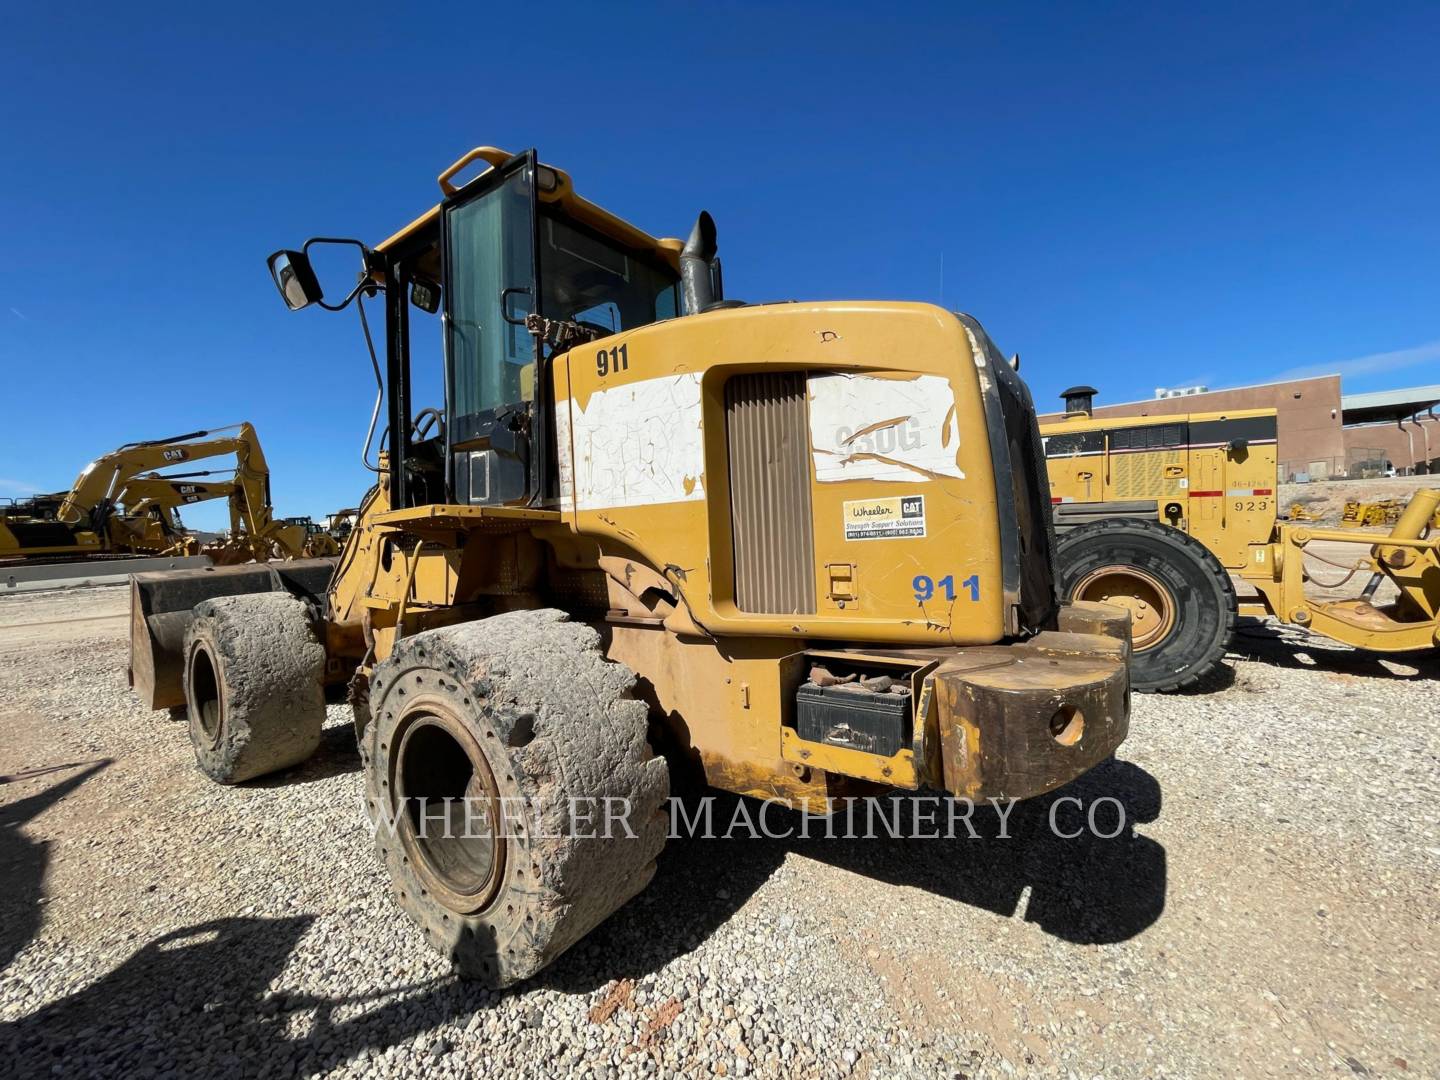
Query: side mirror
295,279
1239,446
425,295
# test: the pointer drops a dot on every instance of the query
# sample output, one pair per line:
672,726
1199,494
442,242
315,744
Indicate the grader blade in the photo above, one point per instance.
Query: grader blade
162,606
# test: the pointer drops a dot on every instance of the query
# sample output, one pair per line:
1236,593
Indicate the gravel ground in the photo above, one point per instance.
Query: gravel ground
1268,909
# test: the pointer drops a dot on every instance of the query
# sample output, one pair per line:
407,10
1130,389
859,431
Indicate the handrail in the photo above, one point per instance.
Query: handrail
492,154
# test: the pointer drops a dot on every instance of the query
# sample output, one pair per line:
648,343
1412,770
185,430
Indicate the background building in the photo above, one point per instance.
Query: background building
1323,433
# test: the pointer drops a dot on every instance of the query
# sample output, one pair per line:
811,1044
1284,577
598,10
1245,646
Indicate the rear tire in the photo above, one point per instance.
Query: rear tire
1181,599
518,719
253,691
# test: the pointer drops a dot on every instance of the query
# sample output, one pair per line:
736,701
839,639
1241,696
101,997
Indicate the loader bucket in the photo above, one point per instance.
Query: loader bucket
162,606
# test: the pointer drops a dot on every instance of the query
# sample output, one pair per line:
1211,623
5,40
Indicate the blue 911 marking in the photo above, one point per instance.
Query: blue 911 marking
925,586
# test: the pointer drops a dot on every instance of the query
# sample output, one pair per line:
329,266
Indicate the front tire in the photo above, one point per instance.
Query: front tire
253,685
518,730
1181,599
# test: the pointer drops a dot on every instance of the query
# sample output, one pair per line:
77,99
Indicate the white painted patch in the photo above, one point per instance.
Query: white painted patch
564,455
638,444
867,428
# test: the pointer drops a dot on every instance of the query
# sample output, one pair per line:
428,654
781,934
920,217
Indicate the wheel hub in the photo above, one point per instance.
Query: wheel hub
205,687
446,806
1151,607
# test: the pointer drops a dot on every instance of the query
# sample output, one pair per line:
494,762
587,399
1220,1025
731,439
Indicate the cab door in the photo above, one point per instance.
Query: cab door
493,429
1207,495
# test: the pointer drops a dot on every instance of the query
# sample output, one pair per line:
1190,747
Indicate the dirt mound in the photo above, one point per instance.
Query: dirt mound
1327,498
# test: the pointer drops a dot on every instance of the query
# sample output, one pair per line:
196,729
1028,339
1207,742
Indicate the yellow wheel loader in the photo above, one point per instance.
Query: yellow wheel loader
318,542
339,524
1156,514
800,551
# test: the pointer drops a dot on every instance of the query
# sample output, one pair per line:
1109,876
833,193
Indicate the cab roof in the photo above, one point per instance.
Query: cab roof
561,191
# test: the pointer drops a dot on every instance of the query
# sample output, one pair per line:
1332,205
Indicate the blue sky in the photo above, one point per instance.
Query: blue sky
1128,195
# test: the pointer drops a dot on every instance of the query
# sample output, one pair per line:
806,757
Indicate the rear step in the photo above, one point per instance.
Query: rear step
162,606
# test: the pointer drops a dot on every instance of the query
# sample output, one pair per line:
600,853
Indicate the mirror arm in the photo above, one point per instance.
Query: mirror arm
373,264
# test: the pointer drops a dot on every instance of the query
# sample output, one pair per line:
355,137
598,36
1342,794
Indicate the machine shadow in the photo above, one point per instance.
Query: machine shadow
1217,680
24,861
1082,889
1286,647
196,1002
1085,887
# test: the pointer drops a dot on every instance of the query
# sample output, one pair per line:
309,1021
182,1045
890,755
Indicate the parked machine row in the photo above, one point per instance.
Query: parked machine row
122,504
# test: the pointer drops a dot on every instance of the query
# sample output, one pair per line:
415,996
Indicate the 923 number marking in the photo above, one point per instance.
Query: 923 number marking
925,586
610,360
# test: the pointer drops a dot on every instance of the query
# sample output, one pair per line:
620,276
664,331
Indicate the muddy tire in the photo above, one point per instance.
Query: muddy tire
253,691
1181,600
520,720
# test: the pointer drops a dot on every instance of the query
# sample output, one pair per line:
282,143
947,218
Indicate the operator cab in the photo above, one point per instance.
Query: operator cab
520,268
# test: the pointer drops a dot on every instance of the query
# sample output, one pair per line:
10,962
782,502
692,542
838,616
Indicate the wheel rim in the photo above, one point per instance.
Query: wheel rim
205,689
460,858
1151,607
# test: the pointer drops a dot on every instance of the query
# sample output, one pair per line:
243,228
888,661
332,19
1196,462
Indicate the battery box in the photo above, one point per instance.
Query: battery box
854,718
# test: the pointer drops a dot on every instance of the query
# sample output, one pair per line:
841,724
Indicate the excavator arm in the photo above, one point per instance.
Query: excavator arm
148,494
118,479
148,520
97,489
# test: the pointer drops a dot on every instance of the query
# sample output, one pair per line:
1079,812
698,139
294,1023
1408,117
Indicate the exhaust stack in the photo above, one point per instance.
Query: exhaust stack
1079,400
699,279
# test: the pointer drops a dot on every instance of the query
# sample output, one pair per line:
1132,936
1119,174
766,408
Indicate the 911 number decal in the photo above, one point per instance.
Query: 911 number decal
925,586
608,360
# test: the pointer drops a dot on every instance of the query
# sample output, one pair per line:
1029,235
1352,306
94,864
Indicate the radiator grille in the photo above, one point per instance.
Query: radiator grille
768,434
1141,476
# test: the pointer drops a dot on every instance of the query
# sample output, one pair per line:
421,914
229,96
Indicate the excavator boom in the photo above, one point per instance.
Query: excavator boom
119,503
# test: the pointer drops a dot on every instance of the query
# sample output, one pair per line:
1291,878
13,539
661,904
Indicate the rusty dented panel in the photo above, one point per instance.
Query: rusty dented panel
1088,617
1018,721
162,607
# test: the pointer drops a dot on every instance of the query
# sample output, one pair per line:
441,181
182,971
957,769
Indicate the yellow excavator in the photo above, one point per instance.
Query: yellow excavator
112,507
152,502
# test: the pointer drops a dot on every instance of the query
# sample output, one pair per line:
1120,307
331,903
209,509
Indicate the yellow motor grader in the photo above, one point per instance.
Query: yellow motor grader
799,550
1157,513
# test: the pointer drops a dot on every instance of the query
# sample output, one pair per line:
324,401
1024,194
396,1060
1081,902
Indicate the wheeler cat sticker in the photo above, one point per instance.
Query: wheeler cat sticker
901,517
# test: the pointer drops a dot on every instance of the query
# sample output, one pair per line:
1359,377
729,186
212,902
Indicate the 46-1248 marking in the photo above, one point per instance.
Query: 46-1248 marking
925,586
